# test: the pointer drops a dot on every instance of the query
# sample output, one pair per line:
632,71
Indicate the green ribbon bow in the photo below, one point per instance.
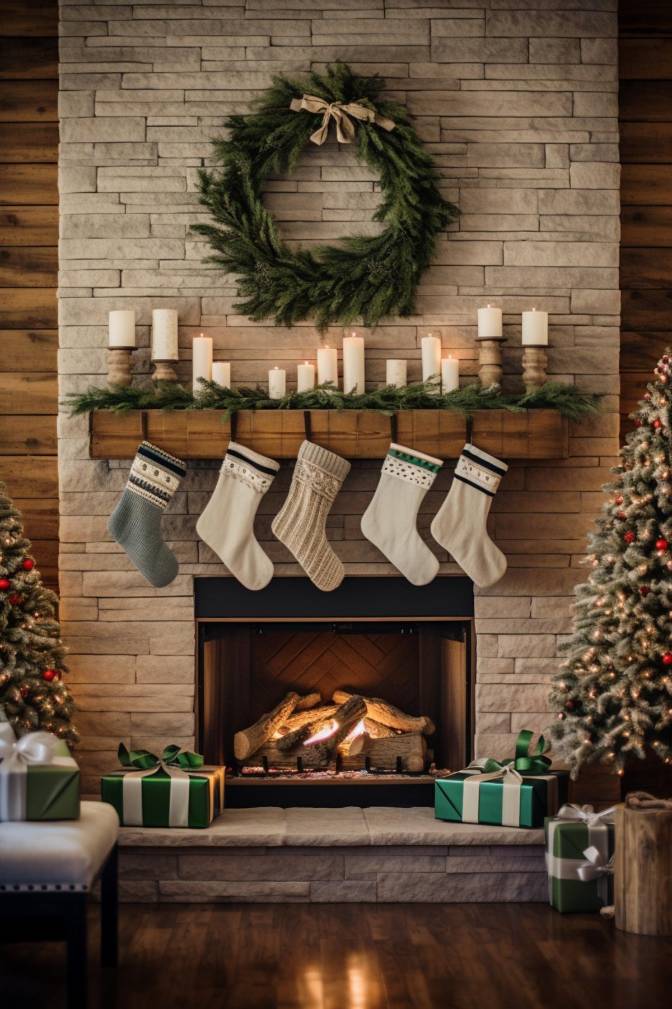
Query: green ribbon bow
173,756
524,762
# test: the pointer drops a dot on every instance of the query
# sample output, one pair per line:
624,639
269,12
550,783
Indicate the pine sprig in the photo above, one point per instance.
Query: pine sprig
363,277
566,399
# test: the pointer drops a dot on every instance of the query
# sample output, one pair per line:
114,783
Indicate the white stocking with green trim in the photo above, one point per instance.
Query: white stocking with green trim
391,520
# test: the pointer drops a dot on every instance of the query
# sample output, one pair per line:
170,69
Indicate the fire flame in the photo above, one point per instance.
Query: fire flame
330,728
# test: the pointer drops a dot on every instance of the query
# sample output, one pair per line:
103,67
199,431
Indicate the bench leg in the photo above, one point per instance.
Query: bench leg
75,924
109,908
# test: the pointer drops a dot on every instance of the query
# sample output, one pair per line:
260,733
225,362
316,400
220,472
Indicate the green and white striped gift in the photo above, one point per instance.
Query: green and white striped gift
579,855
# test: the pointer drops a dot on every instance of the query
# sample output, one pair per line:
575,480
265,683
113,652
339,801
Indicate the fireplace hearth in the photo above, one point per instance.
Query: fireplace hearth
357,697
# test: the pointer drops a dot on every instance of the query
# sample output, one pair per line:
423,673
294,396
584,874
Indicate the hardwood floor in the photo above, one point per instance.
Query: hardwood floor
299,956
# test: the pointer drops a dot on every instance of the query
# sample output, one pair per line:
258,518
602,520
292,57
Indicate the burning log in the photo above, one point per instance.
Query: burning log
410,747
309,756
299,718
308,701
376,730
380,711
291,740
345,717
248,741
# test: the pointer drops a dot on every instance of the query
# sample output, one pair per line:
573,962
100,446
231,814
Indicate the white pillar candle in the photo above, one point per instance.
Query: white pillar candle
221,373
327,365
353,363
489,322
121,328
396,373
164,334
431,357
305,377
535,329
450,374
201,360
277,383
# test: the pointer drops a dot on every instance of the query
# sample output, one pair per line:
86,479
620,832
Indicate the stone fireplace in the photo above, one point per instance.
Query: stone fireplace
520,111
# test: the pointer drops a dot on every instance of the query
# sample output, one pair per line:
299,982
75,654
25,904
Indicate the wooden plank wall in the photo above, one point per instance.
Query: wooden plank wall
646,191
28,267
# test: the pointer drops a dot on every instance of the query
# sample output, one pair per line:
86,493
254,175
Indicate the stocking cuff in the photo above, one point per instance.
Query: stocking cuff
411,466
322,470
480,470
251,468
155,475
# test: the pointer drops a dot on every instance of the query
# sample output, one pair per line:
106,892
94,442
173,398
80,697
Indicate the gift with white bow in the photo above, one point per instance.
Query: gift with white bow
519,792
579,857
39,780
176,789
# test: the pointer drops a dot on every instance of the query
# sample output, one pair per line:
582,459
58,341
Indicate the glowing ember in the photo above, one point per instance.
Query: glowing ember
356,731
327,730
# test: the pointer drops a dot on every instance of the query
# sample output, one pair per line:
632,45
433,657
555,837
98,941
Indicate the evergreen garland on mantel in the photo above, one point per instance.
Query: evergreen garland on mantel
566,399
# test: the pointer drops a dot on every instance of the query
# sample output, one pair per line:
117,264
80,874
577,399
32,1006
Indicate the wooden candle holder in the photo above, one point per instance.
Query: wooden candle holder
535,363
119,363
164,371
490,361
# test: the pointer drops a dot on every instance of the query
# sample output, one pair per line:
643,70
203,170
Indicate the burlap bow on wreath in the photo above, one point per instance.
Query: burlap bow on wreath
340,112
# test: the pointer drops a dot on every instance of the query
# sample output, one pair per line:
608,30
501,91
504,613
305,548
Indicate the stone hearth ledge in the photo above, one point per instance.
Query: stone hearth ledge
350,826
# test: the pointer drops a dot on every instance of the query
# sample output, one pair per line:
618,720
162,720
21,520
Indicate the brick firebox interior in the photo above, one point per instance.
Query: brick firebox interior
519,109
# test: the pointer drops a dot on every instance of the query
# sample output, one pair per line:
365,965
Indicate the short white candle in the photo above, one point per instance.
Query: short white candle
201,360
277,383
450,374
164,334
353,363
121,328
489,322
431,358
535,329
305,377
327,365
396,373
221,373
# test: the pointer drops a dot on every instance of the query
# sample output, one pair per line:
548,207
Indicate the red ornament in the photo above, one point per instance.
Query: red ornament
5,584
667,659
629,537
570,705
644,590
15,599
662,544
51,674
619,499
657,424
28,564
621,516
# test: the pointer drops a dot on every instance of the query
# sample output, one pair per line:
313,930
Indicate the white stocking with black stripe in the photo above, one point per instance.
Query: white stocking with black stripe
227,523
460,525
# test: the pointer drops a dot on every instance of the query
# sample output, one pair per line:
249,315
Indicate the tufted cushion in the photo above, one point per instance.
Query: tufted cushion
58,855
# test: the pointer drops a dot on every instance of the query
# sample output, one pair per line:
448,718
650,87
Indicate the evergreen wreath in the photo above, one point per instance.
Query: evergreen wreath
363,277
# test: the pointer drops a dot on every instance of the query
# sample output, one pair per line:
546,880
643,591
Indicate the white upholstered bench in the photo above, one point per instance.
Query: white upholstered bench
46,874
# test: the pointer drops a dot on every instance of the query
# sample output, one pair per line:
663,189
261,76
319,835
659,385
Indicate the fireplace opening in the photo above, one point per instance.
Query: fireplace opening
358,697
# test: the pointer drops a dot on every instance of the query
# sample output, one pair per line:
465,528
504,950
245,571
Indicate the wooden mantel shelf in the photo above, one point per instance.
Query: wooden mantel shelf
354,434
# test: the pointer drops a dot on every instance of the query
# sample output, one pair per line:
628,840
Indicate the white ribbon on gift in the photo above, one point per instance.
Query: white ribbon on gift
570,811
178,810
512,781
16,757
595,866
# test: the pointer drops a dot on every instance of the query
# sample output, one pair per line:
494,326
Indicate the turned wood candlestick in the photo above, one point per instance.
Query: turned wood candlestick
535,363
490,360
164,371
119,361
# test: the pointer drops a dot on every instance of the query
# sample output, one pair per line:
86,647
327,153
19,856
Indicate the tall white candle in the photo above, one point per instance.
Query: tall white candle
431,357
277,383
201,360
353,363
450,374
121,328
164,334
327,365
305,377
489,322
396,373
535,329
221,373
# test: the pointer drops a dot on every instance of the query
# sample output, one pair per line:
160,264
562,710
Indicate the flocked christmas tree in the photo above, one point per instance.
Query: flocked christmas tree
31,651
614,693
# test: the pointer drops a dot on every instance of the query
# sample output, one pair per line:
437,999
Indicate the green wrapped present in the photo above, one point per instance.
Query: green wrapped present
579,858
520,792
173,790
39,780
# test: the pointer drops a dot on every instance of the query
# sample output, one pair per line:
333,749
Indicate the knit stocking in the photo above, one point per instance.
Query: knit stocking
227,524
301,522
460,525
135,523
390,521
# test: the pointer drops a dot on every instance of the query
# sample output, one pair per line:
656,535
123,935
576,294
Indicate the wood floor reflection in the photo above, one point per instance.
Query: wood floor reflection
354,956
